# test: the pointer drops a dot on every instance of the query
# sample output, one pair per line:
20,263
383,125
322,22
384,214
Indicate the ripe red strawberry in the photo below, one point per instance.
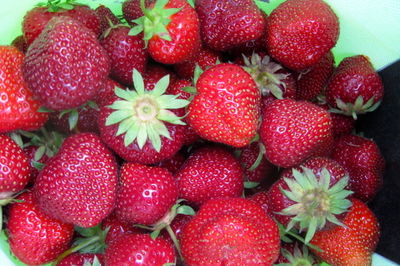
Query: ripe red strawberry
230,231
171,29
341,124
18,108
15,168
310,197
205,58
353,244
144,126
364,162
173,164
226,24
301,32
84,160
106,92
131,10
116,228
312,82
292,131
210,172
71,63
139,249
126,53
355,87
226,106
34,237
145,194
106,17
81,259
155,72
261,199
20,43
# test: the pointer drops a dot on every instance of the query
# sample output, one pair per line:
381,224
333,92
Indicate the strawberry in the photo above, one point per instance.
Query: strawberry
177,225
106,17
364,162
131,10
173,164
143,126
226,24
229,111
71,63
155,72
171,29
126,53
292,131
261,199
116,228
312,82
301,32
139,249
106,92
341,124
34,22
145,194
355,87
353,244
82,259
82,159
20,43
230,231
205,58
15,168
35,163
210,172
34,237
310,197
18,107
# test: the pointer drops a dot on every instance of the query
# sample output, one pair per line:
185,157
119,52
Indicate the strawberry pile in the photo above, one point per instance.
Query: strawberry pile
186,133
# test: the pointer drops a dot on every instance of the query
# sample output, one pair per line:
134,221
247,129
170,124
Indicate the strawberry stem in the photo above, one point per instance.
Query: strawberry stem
175,240
82,245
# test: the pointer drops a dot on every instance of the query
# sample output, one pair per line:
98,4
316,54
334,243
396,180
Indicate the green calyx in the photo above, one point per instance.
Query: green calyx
57,5
155,21
299,257
266,75
141,114
316,201
358,107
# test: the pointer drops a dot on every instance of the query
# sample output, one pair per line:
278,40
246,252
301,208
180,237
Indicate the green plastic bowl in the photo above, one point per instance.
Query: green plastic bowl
367,27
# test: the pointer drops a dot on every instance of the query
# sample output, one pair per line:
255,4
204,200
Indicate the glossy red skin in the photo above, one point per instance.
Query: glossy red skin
83,170
277,201
34,237
292,131
79,259
364,162
106,15
353,77
20,43
87,121
210,172
230,231
312,83
37,18
131,10
301,32
14,167
18,107
145,194
65,66
126,53
353,244
184,30
117,228
341,124
261,198
106,92
227,24
139,249
226,107
205,58
30,153
173,164
154,72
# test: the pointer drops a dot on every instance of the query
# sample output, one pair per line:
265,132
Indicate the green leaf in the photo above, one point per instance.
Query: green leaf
160,4
93,105
185,210
136,30
138,82
125,94
155,234
141,137
161,86
191,3
121,105
17,139
88,232
44,109
37,165
171,102
154,138
250,185
124,126
189,89
39,153
66,6
118,116
197,72
131,134
73,119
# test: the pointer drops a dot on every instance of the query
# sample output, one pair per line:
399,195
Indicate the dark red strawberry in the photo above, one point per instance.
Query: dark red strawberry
261,199
15,168
72,65
20,43
226,24
139,249
171,29
34,21
311,197
355,87
155,72
205,58
126,53
210,172
106,92
230,231
173,164
144,126
364,162
131,10
353,244
226,107
34,237
145,194
116,228
18,107
301,32
88,173
341,124
107,17
312,82
292,131
81,259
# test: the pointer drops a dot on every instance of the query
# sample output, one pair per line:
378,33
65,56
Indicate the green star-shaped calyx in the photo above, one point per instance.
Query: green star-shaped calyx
358,107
